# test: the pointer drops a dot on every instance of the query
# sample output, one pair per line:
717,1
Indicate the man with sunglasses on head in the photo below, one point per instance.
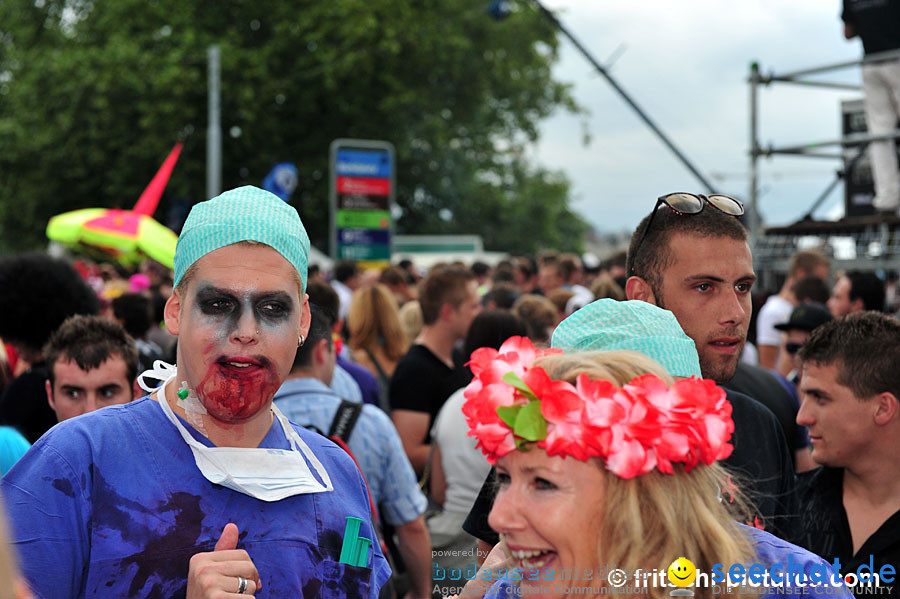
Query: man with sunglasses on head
690,256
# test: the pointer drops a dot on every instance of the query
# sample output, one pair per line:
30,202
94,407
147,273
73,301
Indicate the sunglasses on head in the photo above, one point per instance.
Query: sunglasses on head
686,204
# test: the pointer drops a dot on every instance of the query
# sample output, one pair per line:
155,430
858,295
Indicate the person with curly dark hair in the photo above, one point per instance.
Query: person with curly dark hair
39,293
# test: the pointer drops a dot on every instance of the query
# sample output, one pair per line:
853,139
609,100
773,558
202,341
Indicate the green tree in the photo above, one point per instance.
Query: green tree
94,94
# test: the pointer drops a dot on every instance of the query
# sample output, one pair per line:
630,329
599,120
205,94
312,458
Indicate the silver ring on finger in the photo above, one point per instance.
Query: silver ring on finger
242,585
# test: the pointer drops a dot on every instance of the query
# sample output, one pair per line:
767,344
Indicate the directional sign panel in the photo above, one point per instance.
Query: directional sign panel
362,193
369,254
363,219
363,185
374,161
362,202
364,237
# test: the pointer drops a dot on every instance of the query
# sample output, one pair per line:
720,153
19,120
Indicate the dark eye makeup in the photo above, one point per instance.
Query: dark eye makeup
267,306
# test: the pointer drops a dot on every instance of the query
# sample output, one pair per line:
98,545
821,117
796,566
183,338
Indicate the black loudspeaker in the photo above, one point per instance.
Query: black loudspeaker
859,187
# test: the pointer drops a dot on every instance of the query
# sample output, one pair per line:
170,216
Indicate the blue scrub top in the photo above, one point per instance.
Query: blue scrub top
112,504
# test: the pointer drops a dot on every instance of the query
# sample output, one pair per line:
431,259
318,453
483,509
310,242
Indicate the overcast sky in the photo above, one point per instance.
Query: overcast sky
686,64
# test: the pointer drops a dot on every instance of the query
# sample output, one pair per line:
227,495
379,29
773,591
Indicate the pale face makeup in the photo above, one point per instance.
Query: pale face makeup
238,326
238,379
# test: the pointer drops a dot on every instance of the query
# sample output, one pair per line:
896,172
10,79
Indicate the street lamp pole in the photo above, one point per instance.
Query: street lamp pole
214,129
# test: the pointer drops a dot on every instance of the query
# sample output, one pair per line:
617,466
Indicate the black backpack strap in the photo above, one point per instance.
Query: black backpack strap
384,384
380,370
344,420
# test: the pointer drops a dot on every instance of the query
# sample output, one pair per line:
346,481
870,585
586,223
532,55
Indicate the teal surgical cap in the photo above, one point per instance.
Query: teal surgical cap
608,324
243,214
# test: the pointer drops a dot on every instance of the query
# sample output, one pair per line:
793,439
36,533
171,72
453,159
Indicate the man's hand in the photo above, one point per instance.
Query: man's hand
217,574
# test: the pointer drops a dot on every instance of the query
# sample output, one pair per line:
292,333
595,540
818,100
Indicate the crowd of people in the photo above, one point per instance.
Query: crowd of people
248,424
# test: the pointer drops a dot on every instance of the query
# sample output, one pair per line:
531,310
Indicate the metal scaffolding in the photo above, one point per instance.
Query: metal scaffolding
875,240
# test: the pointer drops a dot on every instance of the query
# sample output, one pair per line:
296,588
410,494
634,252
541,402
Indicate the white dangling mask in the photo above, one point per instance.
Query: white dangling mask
187,399
264,473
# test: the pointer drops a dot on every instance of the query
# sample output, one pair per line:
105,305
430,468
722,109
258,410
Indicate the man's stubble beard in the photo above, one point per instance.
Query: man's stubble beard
709,369
720,373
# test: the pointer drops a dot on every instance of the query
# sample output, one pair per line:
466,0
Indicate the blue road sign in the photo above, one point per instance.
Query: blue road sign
364,236
363,163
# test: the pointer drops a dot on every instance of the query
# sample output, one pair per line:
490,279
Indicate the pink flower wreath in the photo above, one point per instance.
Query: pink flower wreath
642,426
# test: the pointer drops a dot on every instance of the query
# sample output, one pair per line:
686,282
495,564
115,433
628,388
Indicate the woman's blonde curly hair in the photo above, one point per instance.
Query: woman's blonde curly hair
651,520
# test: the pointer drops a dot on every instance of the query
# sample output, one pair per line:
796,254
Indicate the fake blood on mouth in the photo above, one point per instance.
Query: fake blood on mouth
234,393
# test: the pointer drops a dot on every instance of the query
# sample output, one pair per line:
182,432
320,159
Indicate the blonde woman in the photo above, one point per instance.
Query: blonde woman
604,462
411,320
377,340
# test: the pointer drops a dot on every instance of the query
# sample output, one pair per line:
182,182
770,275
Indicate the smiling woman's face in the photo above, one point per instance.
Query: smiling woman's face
238,321
548,510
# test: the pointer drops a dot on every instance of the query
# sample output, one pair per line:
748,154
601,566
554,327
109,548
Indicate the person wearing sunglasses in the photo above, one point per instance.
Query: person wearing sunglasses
804,319
690,256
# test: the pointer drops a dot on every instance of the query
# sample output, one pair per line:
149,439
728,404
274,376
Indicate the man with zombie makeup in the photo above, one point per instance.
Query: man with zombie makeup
203,489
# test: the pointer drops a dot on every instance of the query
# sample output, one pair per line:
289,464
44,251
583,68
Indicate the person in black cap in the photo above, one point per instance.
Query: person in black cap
804,319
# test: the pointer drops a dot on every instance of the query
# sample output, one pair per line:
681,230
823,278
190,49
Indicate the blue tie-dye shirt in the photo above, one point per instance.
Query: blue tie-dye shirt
112,504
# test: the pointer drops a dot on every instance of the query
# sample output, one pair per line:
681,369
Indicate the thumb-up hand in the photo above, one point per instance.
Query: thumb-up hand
229,538
224,572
